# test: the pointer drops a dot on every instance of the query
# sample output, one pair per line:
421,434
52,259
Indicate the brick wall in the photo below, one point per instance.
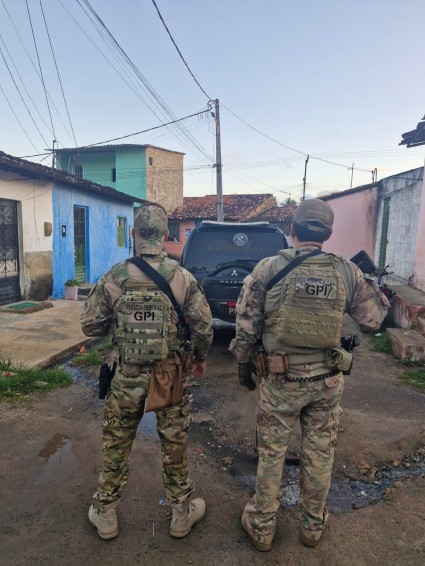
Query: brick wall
164,177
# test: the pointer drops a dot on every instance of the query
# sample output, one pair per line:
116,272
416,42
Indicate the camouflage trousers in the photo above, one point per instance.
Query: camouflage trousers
280,405
123,411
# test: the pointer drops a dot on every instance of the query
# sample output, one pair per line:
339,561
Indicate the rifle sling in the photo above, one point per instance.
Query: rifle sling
288,268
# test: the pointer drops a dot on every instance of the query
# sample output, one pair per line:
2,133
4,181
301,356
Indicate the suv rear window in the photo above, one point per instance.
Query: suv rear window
215,249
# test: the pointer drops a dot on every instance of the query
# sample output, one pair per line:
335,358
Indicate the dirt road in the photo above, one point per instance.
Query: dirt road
51,455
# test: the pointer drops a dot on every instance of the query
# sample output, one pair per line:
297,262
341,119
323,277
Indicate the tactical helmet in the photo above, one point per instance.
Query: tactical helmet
150,226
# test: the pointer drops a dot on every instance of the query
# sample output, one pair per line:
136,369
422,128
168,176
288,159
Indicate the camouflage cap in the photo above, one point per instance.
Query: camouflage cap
150,226
314,214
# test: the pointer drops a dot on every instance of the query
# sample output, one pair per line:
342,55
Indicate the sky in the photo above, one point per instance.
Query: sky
338,80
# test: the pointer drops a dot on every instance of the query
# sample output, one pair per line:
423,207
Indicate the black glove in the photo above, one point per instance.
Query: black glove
245,371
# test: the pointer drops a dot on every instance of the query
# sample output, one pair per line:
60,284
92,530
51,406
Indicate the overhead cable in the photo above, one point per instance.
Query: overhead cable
22,98
178,50
57,71
38,74
155,96
19,122
39,64
292,148
112,46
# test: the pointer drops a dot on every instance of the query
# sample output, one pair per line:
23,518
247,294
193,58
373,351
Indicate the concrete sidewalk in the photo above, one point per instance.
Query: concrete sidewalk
40,338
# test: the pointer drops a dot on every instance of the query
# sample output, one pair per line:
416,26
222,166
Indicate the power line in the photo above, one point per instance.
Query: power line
38,74
178,50
19,92
292,148
148,130
19,122
41,71
155,96
57,71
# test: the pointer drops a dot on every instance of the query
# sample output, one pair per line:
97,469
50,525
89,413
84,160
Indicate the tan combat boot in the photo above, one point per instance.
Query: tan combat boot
261,542
105,521
313,538
185,515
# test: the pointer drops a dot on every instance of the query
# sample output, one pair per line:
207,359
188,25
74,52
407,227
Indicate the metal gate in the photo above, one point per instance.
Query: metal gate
80,243
10,291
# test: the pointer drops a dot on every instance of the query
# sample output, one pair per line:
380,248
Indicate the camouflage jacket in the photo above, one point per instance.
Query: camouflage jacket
365,303
99,312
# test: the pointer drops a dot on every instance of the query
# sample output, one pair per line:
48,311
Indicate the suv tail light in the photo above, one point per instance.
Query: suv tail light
231,304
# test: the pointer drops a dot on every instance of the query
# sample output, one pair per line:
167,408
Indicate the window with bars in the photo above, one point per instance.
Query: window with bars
121,231
79,171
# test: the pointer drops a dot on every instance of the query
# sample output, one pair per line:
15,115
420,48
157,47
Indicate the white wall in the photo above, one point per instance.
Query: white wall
405,192
35,207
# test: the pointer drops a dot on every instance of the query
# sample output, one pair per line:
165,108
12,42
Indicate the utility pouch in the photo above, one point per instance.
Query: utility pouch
277,363
187,359
165,384
338,358
261,363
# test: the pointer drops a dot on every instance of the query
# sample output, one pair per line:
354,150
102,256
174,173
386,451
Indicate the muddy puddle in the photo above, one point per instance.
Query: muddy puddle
345,494
59,459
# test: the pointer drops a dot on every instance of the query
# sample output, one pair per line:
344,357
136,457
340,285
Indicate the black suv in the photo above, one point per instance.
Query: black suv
221,254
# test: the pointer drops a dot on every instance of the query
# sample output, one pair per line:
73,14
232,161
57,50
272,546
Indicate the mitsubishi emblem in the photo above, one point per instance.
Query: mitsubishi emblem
234,273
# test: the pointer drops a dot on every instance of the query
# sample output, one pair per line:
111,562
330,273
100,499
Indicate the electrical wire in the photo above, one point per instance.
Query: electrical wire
178,51
150,90
292,148
39,64
22,98
148,130
57,71
23,84
108,44
37,72
19,122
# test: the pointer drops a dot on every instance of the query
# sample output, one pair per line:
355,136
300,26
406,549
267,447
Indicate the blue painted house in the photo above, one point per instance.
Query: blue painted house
54,227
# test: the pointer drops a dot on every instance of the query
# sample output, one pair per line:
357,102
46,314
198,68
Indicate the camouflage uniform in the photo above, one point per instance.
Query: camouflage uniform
281,402
124,406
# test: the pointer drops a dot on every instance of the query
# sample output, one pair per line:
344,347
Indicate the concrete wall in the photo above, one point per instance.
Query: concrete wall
34,209
418,278
354,223
405,194
164,177
101,235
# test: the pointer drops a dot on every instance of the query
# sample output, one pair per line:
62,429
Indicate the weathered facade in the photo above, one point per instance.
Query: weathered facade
387,220
55,227
144,171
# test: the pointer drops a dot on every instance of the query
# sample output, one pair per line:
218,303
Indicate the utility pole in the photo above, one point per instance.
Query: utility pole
218,162
54,155
352,170
305,176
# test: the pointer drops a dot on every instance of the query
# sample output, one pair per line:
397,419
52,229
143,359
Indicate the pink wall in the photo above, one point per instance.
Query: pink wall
175,249
354,223
418,279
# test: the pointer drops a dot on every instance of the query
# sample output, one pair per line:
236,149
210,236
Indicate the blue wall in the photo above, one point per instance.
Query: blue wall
101,235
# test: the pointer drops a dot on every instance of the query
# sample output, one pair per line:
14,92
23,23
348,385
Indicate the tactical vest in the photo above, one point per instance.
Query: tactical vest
312,302
145,331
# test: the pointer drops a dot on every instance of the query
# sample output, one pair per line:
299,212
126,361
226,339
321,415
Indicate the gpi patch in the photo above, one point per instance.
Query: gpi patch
144,312
314,286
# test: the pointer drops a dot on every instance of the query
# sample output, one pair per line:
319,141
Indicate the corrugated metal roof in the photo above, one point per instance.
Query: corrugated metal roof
35,170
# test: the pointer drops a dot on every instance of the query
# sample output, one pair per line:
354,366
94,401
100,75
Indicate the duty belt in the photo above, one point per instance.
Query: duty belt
309,379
